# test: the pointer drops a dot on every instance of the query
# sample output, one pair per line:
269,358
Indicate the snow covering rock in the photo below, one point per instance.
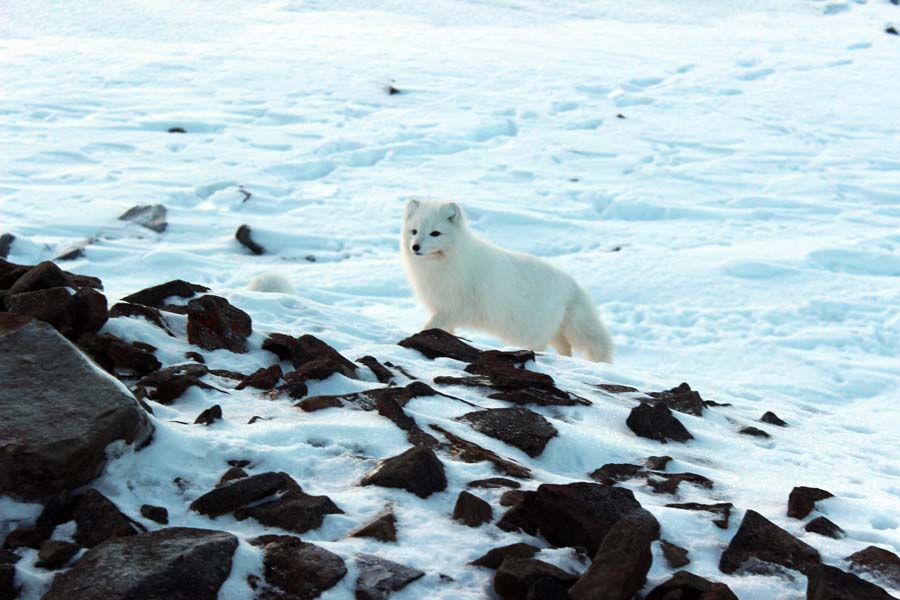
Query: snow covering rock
877,562
656,422
758,540
825,582
576,514
177,564
58,412
685,585
151,216
379,578
298,569
213,323
802,500
517,578
418,470
472,510
519,427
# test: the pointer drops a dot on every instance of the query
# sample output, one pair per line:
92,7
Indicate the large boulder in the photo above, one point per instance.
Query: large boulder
825,582
172,564
58,412
418,470
298,569
213,323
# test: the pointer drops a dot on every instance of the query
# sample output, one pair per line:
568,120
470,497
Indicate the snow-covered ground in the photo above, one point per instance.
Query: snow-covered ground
739,228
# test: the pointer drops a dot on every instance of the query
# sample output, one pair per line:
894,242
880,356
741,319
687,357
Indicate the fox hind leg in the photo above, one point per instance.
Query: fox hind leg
561,344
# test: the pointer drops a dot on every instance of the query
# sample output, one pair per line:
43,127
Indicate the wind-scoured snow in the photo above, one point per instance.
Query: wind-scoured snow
739,229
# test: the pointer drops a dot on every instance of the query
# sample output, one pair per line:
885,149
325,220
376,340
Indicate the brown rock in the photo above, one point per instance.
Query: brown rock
519,427
675,556
157,295
758,539
803,500
301,570
494,482
209,416
681,398
379,578
213,323
723,510
495,557
657,423
687,586
878,563
262,379
55,554
245,237
437,343
149,313
158,514
829,583
417,470
97,519
472,510
241,492
516,577
383,528
382,373
55,306
824,526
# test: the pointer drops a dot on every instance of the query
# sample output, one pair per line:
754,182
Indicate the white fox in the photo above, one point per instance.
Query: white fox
468,282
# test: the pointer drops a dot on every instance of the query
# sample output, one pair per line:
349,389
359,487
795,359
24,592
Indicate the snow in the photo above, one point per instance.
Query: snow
752,191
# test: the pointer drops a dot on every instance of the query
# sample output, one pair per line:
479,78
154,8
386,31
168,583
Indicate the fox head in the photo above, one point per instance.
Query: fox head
431,229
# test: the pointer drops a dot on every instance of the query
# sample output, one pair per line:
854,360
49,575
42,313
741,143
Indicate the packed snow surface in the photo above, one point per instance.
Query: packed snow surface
738,226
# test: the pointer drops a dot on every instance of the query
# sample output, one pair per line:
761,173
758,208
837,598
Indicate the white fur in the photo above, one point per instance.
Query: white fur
468,282
269,282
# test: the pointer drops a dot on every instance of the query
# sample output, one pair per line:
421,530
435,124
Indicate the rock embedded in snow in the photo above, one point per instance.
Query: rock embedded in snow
177,564
299,569
97,519
877,562
824,526
151,216
57,439
167,385
758,539
519,427
516,578
231,474
417,470
280,344
264,378
681,398
240,493
383,528
722,509
54,554
117,356
8,588
157,295
667,483
213,323
292,510
379,578
802,500
6,241
620,566
612,473
382,373
42,276
315,359
753,432
495,557
471,452
127,309
244,236
825,582
209,416
656,422
772,419
472,510
676,556
157,514
494,482
573,515
437,343
91,310
687,586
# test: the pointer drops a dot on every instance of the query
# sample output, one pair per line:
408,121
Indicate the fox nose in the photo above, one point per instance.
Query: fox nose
415,247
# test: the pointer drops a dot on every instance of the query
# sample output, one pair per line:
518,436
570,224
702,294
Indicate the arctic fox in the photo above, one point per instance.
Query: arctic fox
468,282
269,282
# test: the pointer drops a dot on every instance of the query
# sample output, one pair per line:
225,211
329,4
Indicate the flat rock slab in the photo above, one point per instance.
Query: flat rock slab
239,493
379,578
157,295
437,343
173,564
58,412
519,427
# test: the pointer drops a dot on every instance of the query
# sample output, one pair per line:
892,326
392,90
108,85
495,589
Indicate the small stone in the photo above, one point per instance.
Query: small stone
472,510
824,526
231,474
6,241
382,373
437,343
681,398
772,419
494,482
754,431
687,586
213,323
243,235
262,379
657,463
54,554
209,416
495,557
613,473
657,423
151,216
383,529
157,514
176,130
675,556
803,500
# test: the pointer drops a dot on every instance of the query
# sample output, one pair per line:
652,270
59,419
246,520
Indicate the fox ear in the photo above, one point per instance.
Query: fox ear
452,212
411,207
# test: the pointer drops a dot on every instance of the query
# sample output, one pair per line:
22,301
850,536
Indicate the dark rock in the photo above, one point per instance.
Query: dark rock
151,216
548,589
760,539
379,578
195,356
383,528
657,423
117,356
890,29
613,388
519,427
658,463
26,537
675,556
515,577
494,482
877,562
753,431
293,510
316,403
158,294
512,497
829,583
240,492
293,387
8,588
472,510
301,570
176,130
281,345
417,470
73,252
127,309
213,323
170,383
824,526
575,514
612,473
262,379
57,412
209,416
90,310
495,557
9,558
231,474
55,554
314,359
382,373
471,452
667,483
681,398
243,235
392,91
772,419
6,241
620,567
176,564
158,514
687,586
42,276
540,397
436,343
55,306
505,376
97,519
723,510
803,500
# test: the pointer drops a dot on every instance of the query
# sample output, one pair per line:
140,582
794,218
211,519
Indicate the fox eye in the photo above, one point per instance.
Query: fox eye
435,233
414,231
